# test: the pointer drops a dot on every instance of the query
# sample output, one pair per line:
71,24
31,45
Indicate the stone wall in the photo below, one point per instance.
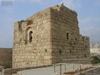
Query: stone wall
67,43
6,57
47,37
38,51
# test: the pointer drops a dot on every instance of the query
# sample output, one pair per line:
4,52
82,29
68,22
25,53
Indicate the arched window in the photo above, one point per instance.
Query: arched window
30,36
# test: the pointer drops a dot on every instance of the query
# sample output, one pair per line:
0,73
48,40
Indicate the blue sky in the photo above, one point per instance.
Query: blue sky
88,16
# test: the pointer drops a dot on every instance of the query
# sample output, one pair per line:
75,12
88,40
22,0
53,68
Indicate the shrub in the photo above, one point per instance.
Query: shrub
46,14
73,47
70,43
85,56
70,51
45,50
60,52
75,38
86,46
21,21
95,57
95,60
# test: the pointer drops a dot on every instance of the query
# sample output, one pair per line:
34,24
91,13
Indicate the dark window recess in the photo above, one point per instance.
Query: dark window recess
30,36
67,35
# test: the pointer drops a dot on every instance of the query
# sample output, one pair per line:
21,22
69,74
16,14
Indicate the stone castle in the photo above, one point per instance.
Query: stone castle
48,37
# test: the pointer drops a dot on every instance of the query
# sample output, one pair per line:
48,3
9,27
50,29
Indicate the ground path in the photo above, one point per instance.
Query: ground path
50,70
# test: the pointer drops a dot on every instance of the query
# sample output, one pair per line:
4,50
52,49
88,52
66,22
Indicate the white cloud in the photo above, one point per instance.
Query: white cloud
90,27
91,30
93,33
72,3
89,19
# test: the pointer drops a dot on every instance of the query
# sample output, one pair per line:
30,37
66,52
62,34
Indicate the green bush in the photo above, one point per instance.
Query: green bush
85,56
86,46
60,52
45,50
73,47
75,38
46,14
21,21
70,51
70,43
95,60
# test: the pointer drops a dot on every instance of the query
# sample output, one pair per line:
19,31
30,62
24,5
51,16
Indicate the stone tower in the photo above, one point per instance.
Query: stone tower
48,37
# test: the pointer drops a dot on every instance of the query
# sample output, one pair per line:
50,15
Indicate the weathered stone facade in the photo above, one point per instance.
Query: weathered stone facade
6,57
47,37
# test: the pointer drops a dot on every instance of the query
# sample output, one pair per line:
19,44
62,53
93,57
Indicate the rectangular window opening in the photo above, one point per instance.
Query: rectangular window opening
67,35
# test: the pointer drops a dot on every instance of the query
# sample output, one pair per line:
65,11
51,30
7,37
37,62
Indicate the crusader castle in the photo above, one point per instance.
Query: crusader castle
48,37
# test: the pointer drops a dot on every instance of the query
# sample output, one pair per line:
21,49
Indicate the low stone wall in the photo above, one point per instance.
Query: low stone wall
11,71
78,61
6,57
